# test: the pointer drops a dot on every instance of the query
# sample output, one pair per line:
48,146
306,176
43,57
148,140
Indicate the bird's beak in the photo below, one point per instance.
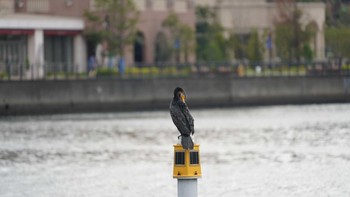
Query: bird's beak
182,97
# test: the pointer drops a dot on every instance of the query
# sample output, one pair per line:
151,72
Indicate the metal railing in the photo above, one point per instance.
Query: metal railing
67,71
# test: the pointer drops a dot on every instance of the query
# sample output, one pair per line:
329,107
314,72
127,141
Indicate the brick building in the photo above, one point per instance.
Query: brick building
42,36
243,16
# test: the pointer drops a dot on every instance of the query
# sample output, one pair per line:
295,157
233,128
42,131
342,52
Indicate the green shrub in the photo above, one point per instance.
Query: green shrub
106,71
3,75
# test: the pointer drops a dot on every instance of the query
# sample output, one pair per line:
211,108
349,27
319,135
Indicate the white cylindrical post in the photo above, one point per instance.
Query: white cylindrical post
79,54
187,187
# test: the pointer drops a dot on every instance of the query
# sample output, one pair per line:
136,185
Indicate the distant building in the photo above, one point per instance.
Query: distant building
42,36
243,16
153,13
38,36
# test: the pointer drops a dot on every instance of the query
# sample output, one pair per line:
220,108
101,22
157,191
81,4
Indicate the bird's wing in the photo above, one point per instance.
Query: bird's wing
188,117
180,120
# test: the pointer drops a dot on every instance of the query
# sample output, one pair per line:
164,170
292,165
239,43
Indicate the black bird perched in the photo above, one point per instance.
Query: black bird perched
182,118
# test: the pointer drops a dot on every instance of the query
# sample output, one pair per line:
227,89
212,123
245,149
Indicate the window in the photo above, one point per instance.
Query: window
190,4
19,3
38,6
13,54
58,53
140,4
170,4
149,3
159,5
179,158
180,6
69,3
194,158
92,5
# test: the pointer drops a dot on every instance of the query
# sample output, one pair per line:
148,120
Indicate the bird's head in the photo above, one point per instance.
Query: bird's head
179,94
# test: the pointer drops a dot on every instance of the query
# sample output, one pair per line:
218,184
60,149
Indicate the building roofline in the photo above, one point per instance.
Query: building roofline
45,22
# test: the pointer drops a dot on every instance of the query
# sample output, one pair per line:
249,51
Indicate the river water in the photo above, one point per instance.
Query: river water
258,151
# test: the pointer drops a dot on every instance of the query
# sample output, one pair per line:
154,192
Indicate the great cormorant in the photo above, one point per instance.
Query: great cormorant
182,118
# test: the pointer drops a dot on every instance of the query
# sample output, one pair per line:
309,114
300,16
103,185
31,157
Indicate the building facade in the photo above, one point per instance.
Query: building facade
244,16
39,37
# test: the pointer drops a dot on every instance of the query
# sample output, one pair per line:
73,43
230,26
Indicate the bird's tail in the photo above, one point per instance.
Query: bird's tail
186,142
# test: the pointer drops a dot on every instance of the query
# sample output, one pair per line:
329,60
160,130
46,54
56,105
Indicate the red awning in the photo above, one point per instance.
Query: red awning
61,32
16,32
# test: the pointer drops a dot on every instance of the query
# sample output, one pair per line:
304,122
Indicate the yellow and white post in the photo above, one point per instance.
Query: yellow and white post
187,170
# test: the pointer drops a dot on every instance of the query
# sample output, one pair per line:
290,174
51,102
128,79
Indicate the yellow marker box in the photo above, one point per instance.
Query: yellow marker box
186,163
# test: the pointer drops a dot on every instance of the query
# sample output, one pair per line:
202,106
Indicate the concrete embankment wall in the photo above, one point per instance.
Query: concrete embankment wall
37,97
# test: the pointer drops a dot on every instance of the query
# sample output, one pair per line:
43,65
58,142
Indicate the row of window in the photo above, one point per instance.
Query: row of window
33,3
42,6
168,3
177,5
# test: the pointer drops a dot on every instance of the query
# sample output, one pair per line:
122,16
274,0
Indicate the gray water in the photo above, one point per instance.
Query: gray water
261,151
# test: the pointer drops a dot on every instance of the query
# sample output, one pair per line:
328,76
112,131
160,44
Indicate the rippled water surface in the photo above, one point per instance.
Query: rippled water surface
261,151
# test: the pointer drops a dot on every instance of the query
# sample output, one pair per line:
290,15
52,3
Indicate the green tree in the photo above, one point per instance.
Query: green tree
255,48
290,37
308,54
211,43
181,36
338,42
172,24
284,40
337,31
337,13
187,36
118,19
163,49
93,35
235,46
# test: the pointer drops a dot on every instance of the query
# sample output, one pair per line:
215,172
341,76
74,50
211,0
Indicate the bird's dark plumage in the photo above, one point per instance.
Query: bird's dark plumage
182,118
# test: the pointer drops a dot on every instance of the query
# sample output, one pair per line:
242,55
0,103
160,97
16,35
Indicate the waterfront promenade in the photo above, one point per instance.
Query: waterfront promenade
116,94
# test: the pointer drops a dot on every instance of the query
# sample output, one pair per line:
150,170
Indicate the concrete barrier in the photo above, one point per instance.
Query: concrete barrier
69,96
